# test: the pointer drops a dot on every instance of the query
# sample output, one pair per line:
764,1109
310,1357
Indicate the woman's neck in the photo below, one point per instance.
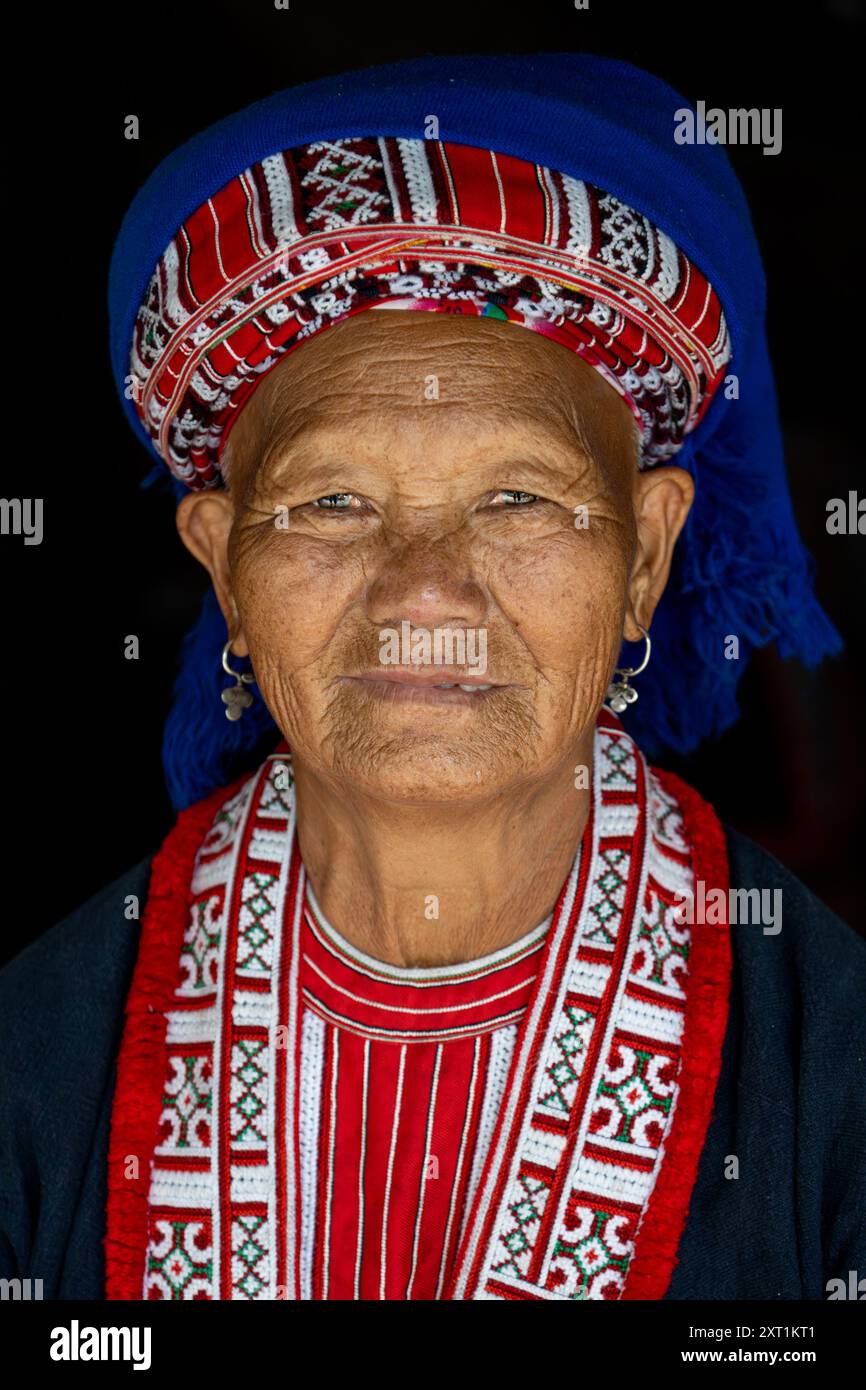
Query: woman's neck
437,885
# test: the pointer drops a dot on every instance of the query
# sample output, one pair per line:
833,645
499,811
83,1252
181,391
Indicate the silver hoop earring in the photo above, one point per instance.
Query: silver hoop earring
620,694
236,698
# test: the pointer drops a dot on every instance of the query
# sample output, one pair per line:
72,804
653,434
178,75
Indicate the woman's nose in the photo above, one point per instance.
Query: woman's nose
428,584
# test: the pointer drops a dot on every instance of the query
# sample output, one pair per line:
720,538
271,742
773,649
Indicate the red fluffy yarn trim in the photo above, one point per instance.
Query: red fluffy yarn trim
140,1068
658,1237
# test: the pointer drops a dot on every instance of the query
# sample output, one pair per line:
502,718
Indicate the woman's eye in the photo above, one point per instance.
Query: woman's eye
513,497
335,502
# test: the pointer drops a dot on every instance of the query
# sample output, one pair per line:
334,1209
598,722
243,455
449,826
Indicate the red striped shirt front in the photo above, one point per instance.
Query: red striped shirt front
402,1073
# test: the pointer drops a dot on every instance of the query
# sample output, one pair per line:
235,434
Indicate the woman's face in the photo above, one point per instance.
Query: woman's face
418,501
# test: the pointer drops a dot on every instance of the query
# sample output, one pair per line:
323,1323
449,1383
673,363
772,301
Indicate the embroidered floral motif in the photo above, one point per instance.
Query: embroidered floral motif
179,1260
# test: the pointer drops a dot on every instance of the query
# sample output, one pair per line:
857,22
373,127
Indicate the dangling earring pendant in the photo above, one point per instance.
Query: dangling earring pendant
620,693
236,698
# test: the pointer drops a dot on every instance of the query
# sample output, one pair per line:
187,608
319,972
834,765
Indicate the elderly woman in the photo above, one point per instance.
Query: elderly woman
449,994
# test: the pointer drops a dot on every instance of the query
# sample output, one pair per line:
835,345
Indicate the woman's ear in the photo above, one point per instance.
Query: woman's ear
663,497
204,522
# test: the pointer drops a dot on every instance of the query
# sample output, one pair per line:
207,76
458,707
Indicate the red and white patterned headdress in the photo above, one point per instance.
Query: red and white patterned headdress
307,237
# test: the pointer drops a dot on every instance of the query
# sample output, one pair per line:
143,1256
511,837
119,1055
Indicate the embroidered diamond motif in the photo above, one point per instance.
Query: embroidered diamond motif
634,1097
566,1065
249,1255
345,185
526,1212
594,1263
278,792
179,1260
255,938
608,896
618,772
249,1091
627,244
663,947
186,1103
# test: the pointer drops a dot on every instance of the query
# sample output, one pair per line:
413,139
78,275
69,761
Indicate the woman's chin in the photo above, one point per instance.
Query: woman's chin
419,769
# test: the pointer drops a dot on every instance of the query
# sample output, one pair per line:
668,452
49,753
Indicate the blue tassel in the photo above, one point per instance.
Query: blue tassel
201,749
739,570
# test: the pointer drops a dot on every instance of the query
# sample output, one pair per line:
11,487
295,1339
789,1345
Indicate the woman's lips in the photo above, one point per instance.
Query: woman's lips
442,687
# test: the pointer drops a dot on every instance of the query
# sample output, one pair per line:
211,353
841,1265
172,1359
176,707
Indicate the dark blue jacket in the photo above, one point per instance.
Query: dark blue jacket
790,1102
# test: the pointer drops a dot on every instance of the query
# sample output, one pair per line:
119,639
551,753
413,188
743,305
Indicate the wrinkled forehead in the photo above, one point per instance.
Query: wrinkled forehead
457,386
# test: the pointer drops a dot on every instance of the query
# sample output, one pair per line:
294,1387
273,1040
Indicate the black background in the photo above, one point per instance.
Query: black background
84,792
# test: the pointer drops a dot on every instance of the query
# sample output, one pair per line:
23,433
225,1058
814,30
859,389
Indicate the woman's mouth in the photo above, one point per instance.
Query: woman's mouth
448,688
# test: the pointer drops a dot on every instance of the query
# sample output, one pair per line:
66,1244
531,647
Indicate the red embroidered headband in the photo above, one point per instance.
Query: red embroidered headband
309,236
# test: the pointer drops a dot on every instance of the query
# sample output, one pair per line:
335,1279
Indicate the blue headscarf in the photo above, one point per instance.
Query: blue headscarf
740,569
